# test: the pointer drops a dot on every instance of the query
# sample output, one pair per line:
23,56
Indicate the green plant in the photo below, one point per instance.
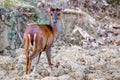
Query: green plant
11,33
6,3
114,2
10,3
13,3
35,16
41,21
33,1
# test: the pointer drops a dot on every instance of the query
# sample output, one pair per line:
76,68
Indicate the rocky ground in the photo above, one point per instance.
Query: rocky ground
90,60
70,63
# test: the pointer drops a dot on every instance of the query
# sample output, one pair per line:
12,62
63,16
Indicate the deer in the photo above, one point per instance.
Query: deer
40,37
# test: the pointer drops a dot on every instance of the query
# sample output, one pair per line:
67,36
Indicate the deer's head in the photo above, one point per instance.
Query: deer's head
55,14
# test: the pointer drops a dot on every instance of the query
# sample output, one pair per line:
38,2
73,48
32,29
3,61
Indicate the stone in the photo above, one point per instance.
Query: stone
50,78
19,52
65,77
77,75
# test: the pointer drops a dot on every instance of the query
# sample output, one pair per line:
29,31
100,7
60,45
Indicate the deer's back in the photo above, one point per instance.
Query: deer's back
44,34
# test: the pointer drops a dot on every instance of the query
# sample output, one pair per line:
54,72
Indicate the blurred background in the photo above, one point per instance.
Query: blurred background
91,27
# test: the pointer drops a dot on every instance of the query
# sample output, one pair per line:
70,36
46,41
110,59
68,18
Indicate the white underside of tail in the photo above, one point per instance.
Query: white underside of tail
31,47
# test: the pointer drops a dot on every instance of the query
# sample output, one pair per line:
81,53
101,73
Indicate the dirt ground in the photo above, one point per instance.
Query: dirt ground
70,63
73,57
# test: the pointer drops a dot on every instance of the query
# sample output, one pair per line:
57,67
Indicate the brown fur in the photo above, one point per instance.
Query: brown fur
43,42
45,35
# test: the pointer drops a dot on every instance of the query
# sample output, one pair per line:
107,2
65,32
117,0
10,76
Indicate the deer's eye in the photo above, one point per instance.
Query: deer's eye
58,14
51,14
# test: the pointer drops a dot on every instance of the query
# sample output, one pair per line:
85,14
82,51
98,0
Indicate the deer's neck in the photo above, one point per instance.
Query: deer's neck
55,30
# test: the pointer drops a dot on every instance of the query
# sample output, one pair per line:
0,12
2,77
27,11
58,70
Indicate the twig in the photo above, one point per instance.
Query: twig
82,32
20,37
18,32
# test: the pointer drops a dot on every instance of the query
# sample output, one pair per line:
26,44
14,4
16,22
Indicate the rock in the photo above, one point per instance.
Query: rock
65,77
60,71
77,75
54,72
21,59
32,76
74,66
100,65
116,76
43,72
19,52
70,63
94,77
90,76
50,78
67,70
3,36
117,62
118,43
35,76
6,59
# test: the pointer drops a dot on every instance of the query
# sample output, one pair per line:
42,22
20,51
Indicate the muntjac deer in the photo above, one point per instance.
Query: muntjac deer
40,38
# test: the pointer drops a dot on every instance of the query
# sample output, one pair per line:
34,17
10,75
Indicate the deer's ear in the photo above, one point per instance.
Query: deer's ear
58,9
52,9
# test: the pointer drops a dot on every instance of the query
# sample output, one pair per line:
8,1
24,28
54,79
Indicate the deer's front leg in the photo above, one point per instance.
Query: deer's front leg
48,54
32,56
38,58
27,64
